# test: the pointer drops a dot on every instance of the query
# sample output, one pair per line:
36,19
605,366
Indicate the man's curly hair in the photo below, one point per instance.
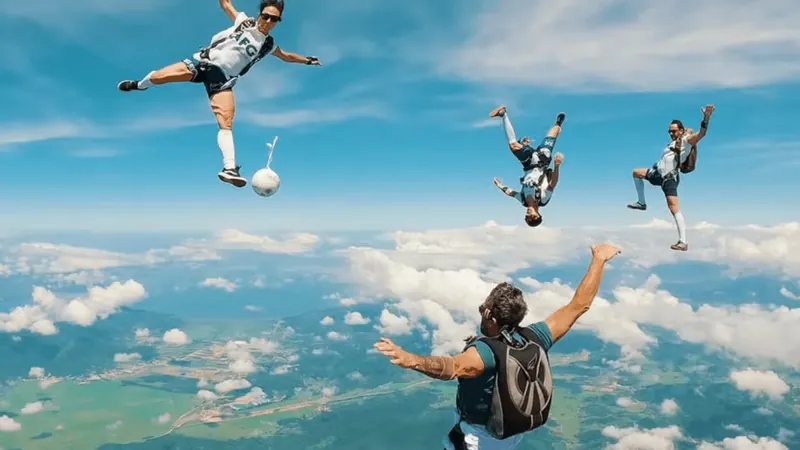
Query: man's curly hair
507,305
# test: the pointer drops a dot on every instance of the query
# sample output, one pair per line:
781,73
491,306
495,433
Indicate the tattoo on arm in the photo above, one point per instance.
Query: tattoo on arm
438,367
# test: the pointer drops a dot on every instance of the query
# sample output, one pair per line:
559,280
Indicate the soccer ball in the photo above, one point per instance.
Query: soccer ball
265,182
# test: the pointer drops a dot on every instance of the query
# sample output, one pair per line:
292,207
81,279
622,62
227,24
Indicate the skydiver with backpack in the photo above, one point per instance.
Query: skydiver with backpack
504,382
666,172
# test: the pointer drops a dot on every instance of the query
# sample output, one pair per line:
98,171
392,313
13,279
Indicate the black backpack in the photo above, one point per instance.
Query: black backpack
523,388
691,161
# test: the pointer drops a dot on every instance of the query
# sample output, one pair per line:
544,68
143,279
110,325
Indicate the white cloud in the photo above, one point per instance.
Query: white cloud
744,443
206,396
784,434
49,258
629,403
142,333
355,376
36,372
355,318
220,283
163,418
127,357
252,308
394,324
335,336
327,320
725,44
201,383
441,277
281,370
243,366
760,383
763,411
789,294
635,438
231,385
32,408
176,337
97,304
329,391
669,407
231,239
9,424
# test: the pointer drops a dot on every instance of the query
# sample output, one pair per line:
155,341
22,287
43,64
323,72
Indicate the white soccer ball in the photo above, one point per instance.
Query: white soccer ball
265,182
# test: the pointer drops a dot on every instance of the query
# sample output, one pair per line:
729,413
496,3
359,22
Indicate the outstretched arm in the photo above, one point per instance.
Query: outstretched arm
694,138
295,58
562,320
467,364
556,169
506,190
228,8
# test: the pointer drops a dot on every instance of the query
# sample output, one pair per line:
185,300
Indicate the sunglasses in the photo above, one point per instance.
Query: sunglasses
672,131
270,18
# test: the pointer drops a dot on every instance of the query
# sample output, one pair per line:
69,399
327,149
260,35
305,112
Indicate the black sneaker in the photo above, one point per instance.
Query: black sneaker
560,119
231,176
638,206
129,85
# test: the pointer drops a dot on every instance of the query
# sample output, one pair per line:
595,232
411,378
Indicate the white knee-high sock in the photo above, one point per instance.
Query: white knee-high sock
639,183
145,82
681,226
509,129
225,142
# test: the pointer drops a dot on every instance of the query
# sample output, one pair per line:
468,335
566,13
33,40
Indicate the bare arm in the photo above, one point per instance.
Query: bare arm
562,320
694,138
554,177
506,190
464,365
294,57
228,8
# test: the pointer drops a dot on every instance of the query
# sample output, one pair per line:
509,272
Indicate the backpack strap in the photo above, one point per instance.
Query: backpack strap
266,47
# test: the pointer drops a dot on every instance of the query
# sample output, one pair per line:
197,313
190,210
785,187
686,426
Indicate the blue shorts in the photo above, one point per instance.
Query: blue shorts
669,185
525,154
213,78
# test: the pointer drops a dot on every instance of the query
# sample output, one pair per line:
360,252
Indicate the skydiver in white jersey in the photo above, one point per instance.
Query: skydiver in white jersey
538,181
231,53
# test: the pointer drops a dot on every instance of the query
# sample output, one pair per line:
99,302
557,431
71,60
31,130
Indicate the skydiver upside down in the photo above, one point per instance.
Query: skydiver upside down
538,181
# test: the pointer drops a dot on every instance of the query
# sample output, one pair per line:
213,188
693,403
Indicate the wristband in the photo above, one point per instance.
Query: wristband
704,124
311,60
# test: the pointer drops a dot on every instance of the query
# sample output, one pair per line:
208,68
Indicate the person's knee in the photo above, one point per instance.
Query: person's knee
639,173
514,146
672,203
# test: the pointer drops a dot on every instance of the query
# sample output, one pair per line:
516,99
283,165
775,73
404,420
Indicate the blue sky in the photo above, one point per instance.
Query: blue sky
391,132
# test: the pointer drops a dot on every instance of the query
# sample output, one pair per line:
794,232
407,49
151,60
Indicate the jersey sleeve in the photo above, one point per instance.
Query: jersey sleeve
542,331
486,355
241,17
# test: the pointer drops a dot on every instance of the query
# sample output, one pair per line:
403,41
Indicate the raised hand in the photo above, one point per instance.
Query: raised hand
605,252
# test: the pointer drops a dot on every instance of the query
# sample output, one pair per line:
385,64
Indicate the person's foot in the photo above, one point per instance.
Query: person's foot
231,176
129,85
680,246
500,111
638,206
560,119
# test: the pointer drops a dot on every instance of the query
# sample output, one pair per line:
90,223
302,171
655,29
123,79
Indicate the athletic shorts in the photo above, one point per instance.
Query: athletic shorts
213,78
668,185
524,154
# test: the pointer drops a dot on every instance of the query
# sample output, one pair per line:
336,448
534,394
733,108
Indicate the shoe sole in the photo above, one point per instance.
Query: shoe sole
496,112
238,182
119,88
637,208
